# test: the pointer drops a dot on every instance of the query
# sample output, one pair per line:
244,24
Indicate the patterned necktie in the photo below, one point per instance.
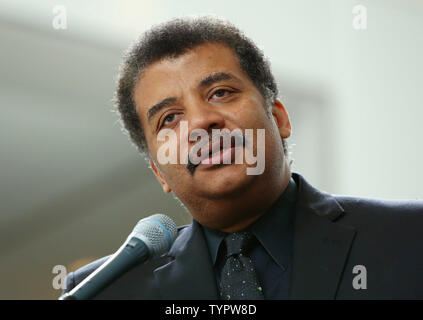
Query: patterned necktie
238,280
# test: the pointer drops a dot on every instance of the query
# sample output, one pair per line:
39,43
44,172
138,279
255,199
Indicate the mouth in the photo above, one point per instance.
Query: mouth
218,155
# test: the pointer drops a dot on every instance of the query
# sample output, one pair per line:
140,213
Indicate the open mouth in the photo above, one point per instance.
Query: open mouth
219,154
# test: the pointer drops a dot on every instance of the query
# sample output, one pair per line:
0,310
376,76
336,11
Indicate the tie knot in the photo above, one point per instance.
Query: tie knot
238,242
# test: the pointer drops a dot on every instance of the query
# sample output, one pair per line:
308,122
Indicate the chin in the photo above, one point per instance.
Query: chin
224,181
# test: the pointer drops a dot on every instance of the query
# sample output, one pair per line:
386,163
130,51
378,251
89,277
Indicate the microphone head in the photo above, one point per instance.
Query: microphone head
158,232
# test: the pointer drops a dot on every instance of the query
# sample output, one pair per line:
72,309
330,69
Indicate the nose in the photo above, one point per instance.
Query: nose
206,117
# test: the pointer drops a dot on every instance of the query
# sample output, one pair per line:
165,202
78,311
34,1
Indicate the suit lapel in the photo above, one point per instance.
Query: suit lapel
190,275
320,247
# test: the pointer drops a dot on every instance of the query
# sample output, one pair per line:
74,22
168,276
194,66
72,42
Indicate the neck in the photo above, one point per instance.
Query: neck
241,225
237,213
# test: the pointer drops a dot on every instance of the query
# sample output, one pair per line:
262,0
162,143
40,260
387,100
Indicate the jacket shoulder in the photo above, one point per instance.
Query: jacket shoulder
375,206
372,213
384,223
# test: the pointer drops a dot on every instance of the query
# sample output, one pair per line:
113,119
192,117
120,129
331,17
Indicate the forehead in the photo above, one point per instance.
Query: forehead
173,76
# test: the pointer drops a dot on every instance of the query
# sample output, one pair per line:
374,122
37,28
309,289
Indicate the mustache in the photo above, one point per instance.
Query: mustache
190,166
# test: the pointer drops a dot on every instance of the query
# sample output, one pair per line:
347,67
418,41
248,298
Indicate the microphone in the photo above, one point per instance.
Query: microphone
152,237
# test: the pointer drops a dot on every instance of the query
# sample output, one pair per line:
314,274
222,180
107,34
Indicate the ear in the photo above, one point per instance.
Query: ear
281,118
160,178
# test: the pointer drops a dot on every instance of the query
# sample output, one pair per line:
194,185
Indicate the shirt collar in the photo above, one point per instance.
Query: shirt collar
273,230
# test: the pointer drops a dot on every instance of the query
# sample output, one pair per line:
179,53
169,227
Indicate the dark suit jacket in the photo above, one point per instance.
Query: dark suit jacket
333,234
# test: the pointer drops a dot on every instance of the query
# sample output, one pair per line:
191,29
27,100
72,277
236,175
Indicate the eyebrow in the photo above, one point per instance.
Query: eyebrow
160,106
207,81
216,77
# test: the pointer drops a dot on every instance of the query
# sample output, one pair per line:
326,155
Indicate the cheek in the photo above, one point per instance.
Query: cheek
250,115
176,176
273,140
172,170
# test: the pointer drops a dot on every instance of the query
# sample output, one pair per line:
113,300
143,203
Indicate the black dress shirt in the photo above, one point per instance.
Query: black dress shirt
272,254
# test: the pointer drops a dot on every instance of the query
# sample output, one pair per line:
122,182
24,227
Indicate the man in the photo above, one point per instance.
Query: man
255,236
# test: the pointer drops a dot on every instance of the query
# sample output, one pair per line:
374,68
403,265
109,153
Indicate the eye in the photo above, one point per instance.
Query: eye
220,93
168,119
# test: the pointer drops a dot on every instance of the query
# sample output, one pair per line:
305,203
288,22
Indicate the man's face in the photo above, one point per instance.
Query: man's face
191,92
